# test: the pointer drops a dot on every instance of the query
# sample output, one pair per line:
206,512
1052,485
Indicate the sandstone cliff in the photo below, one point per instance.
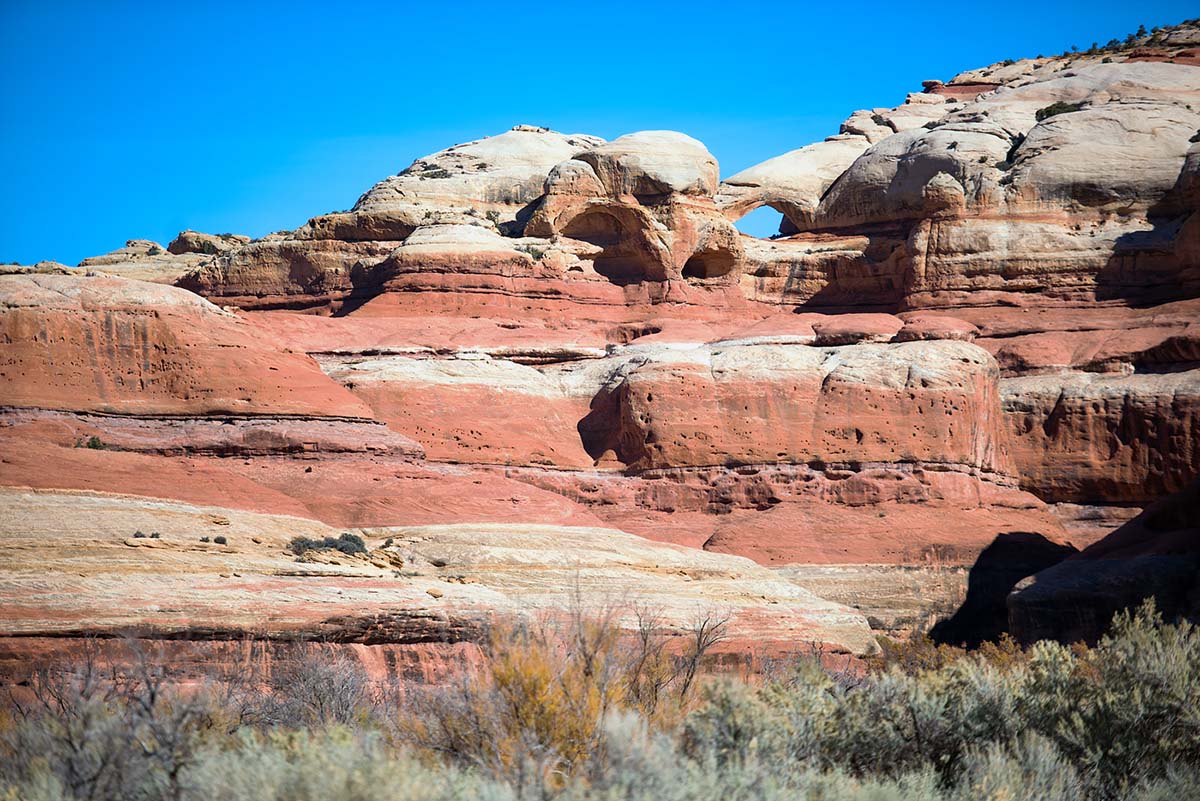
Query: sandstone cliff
980,317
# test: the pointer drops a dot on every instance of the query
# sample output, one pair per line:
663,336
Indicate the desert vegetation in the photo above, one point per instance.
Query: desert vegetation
347,543
584,709
1055,109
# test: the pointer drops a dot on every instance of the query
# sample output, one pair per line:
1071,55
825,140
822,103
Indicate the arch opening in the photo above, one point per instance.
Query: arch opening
619,259
764,222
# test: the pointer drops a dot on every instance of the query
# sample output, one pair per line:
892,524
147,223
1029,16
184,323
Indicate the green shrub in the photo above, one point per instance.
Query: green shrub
347,543
1127,710
1055,109
1029,768
578,710
328,764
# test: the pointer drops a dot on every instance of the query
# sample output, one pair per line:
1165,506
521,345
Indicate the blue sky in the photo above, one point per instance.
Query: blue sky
125,120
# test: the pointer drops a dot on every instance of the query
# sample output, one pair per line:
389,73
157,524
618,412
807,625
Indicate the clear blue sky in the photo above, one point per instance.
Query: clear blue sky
124,120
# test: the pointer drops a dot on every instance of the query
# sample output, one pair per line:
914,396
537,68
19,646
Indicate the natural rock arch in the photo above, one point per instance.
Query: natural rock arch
761,221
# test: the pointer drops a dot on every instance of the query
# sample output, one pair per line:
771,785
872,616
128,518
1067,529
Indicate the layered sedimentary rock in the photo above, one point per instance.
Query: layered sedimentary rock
724,404
489,183
911,402
988,200
983,301
102,344
218,573
144,260
1122,438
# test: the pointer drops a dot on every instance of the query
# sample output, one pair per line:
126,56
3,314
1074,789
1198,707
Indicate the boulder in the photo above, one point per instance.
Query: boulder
651,165
492,180
209,244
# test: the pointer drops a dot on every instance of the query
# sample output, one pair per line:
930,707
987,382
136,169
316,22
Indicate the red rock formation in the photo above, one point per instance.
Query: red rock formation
100,344
979,306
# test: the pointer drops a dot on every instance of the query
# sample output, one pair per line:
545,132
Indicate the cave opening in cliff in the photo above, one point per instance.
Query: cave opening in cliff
711,264
618,259
763,222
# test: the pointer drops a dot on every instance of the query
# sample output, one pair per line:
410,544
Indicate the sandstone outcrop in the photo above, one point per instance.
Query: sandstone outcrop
1124,438
980,318
661,406
283,272
753,404
209,244
490,183
642,208
987,199
795,182
493,179
112,345
144,260
81,548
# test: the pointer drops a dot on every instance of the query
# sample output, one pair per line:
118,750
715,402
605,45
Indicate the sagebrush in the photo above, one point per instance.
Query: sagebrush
584,709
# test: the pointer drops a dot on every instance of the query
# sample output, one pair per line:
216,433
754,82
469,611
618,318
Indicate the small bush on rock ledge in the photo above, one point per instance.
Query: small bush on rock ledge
1055,109
349,544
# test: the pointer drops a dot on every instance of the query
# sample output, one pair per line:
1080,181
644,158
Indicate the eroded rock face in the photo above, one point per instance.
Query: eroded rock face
454,577
941,202
284,272
663,406
103,344
642,207
1123,438
983,200
730,405
538,344
495,179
